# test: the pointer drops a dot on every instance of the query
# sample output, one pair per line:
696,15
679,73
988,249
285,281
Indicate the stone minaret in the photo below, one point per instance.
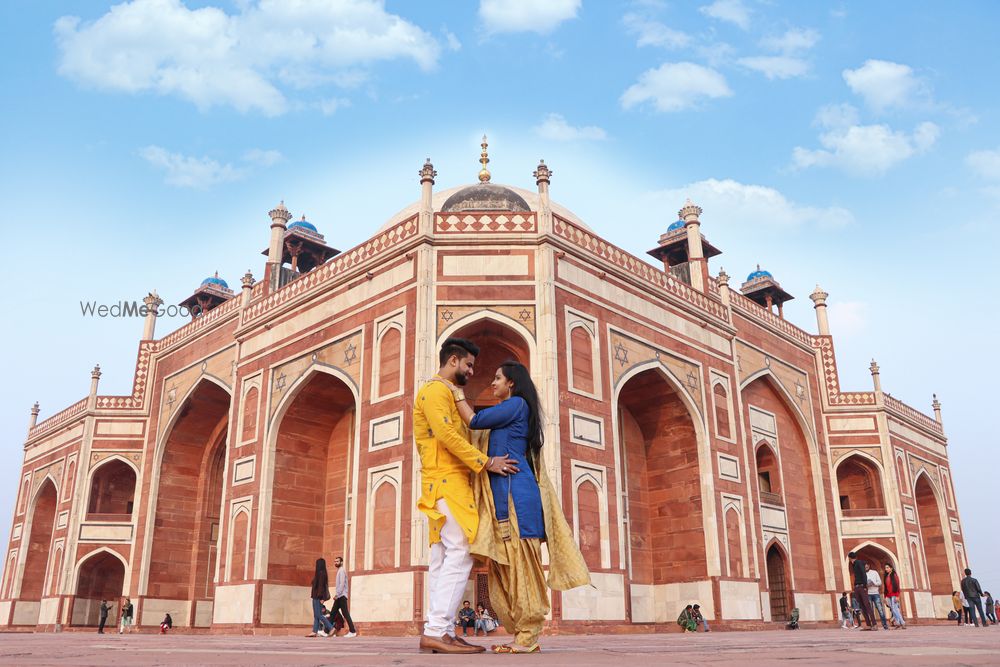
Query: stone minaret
543,176
247,282
152,301
279,221
819,299
696,254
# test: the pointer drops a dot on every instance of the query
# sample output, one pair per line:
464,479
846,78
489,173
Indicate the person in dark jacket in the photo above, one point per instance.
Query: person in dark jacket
860,582
320,594
991,612
974,594
105,608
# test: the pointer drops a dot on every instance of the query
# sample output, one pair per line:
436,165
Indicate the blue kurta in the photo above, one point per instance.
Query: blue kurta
508,424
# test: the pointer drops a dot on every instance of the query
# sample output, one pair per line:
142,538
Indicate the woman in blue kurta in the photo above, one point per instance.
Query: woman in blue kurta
518,587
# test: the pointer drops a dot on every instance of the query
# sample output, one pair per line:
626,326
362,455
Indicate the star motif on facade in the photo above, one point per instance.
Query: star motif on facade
447,315
524,315
692,380
350,353
279,382
800,391
621,354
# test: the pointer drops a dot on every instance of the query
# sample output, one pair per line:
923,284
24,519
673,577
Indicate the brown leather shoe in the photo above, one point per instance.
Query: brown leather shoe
444,644
461,640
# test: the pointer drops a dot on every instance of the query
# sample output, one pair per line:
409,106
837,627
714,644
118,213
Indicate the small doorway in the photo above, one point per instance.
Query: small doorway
777,584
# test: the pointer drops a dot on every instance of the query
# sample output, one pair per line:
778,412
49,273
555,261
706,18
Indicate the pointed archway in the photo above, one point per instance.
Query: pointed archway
778,583
498,343
932,536
771,417
189,484
101,577
313,442
112,491
859,487
665,540
39,541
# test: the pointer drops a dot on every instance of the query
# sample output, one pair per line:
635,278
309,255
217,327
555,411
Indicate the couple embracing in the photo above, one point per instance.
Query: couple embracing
486,494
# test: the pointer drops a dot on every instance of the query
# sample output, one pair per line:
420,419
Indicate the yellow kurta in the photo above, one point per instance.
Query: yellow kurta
447,459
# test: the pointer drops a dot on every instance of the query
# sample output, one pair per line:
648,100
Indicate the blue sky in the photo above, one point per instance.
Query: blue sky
854,145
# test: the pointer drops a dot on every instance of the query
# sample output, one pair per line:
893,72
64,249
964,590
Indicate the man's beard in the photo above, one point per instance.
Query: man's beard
461,379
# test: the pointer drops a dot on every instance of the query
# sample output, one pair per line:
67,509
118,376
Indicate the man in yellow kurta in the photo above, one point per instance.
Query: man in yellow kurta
448,460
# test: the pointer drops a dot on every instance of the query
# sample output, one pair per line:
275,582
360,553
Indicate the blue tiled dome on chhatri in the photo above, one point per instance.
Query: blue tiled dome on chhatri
758,274
676,225
304,224
215,280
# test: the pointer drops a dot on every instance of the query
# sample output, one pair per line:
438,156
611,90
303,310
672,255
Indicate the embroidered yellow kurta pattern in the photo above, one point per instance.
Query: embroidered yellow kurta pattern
447,459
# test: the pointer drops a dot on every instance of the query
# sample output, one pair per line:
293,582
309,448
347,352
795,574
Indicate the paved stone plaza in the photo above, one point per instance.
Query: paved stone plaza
933,645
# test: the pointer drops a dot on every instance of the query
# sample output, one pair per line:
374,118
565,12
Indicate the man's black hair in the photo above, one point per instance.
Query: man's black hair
460,347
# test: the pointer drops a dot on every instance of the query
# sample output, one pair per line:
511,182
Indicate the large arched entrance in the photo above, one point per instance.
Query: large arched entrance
932,535
876,557
43,516
102,577
665,541
770,418
310,482
189,493
779,588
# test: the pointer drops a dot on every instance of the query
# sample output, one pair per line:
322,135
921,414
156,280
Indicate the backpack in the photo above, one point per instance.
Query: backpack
952,615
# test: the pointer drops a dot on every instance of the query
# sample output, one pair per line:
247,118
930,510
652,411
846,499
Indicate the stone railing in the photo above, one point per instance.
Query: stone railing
900,409
863,512
757,312
772,498
58,419
637,267
199,323
346,260
495,223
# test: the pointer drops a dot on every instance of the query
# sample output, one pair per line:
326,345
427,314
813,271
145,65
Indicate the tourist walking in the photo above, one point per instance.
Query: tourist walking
446,497
105,608
974,595
861,590
127,613
991,612
340,597
319,594
846,617
892,595
956,602
519,509
874,586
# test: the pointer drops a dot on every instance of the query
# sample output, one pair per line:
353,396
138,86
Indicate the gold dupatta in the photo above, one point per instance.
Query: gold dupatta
567,568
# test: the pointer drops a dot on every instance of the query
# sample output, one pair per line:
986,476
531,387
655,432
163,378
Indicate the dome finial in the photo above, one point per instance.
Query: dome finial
484,159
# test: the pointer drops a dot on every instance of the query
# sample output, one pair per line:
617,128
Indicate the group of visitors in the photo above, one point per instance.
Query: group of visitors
691,617
968,601
871,594
478,619
324,620
127,613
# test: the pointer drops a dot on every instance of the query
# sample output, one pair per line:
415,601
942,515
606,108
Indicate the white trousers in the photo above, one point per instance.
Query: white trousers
447,575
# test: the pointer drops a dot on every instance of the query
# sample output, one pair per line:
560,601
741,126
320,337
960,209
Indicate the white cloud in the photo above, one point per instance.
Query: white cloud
264,158
795,40
776,67
742,205
242,60
653,33
985,163
451,40
837,115
788,63
675,86
556,128
866,149
185,171
731,11
331,105
539,16
883,84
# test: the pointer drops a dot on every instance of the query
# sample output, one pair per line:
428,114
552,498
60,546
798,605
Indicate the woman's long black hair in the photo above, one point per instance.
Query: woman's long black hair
525,388
321,577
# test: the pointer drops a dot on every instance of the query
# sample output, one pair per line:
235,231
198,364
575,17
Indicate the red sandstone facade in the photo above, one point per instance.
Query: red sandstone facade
701,443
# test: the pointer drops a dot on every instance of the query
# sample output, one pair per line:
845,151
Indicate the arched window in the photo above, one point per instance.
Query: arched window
249,417
589,504
389,357
860,487
768,474
112,490
582,350
721,399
